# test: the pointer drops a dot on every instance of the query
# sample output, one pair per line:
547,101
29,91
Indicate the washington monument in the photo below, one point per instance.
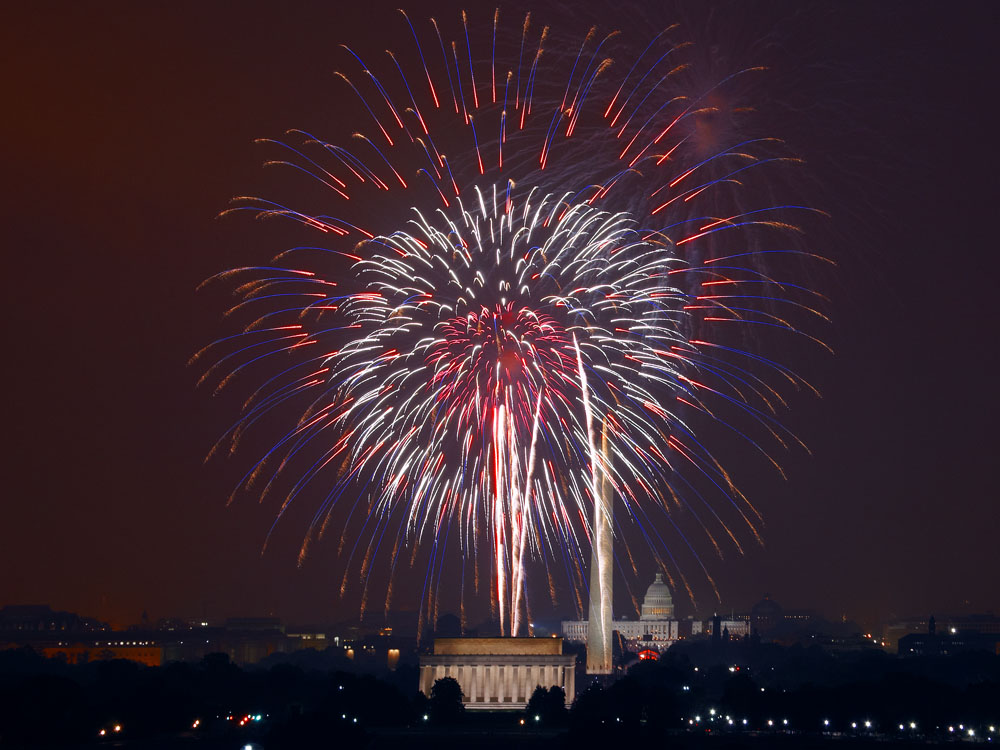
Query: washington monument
601,567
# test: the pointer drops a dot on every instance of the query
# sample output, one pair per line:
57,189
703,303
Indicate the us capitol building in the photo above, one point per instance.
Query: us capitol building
656,627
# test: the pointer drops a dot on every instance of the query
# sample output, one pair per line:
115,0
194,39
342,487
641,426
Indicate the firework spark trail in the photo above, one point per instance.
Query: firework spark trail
476,342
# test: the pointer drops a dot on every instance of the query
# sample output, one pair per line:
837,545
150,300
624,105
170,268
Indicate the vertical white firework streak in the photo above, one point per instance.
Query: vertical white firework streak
584,390
522,521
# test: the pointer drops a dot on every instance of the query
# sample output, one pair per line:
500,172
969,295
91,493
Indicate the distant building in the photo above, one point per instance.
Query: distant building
948,640
735,626
766,618
498,673
895,630
246,640
255,624
765,615
142,652
312,637
42,619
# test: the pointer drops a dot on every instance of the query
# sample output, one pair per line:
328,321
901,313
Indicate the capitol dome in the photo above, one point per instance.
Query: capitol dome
658,604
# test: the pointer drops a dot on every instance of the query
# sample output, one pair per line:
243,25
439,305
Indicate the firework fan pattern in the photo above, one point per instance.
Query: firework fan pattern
538,276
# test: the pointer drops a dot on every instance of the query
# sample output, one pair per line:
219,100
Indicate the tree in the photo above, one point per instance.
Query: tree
536,704
548,705
446,705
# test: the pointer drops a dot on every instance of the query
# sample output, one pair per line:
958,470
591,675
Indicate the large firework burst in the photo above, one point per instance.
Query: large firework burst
548,323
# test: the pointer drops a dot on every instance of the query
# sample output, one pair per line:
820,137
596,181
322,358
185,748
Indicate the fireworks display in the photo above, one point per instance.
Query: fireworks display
544,268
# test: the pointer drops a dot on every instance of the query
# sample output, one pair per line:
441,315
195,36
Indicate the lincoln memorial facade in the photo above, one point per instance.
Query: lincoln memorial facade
499,672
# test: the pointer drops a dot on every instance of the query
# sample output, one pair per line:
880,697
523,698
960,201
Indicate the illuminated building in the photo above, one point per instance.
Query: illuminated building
497,673
142,652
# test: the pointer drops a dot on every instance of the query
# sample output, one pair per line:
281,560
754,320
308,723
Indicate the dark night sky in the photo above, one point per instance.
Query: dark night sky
129,126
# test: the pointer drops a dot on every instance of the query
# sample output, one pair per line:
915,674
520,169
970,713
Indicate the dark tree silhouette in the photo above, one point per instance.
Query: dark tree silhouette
536,704
448,626
446,705
548,705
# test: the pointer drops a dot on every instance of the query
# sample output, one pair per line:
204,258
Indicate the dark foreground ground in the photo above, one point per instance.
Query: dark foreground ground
462,738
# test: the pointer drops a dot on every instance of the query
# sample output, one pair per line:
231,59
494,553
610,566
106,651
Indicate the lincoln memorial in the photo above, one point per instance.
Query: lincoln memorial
496,673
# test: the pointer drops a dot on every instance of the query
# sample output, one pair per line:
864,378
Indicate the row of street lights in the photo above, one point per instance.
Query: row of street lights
865,725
